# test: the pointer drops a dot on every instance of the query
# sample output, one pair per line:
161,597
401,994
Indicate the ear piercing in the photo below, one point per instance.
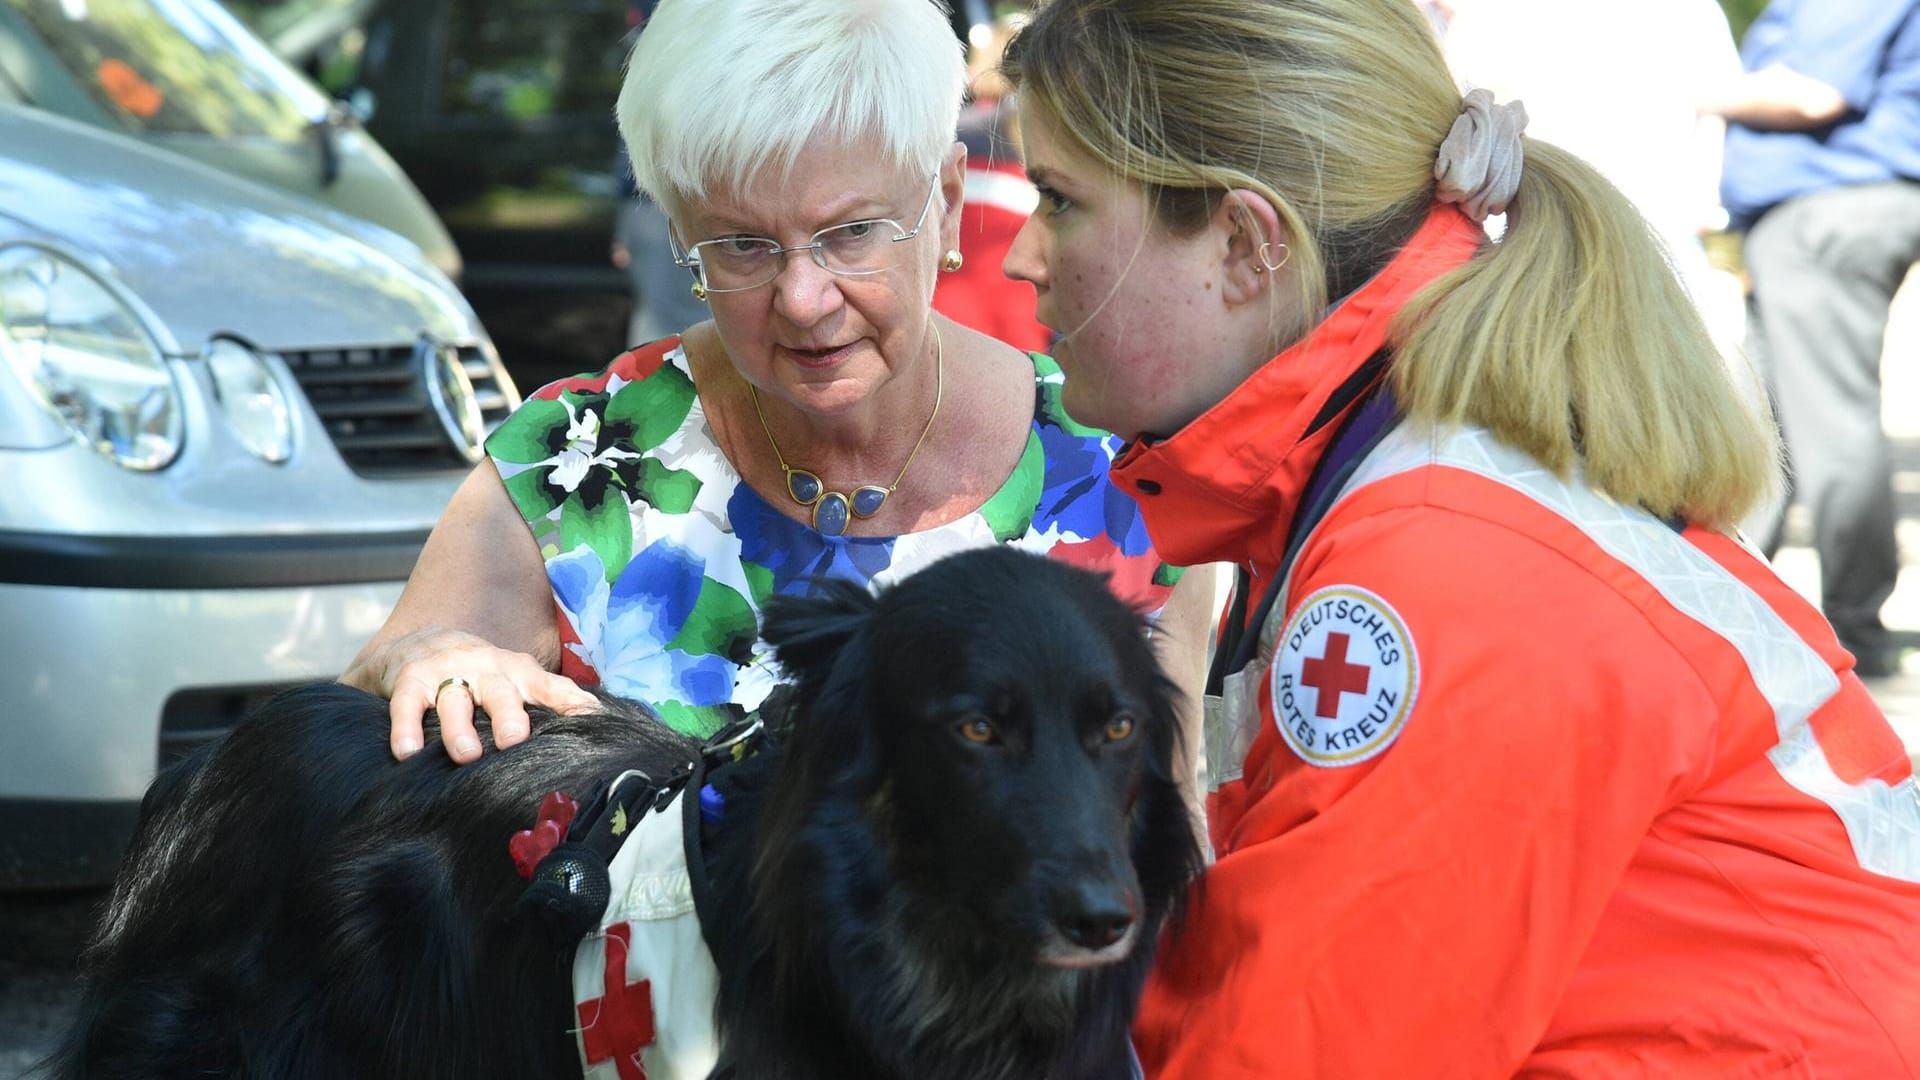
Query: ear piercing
1266,261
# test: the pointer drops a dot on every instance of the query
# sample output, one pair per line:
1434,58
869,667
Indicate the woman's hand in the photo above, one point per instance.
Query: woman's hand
426,669
481,572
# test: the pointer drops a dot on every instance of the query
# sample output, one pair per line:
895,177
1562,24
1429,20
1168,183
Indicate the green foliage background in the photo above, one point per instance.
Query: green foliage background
1741,13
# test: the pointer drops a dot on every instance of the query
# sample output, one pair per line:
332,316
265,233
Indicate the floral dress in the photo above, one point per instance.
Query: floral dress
660,555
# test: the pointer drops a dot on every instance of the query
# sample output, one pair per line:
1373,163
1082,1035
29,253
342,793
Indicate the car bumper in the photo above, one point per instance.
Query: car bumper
103,681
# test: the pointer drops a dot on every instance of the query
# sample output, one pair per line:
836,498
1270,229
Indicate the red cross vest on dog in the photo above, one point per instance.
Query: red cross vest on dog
644,983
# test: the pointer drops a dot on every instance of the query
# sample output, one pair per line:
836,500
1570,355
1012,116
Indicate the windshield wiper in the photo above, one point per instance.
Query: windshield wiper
326,134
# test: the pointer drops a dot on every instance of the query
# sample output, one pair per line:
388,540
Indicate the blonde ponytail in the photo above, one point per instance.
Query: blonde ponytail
1573,340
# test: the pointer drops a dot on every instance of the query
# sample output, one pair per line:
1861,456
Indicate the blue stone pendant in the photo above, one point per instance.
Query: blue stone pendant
868,500
804,487
830,514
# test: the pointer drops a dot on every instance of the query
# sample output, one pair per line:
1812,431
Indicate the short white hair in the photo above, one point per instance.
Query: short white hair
717,90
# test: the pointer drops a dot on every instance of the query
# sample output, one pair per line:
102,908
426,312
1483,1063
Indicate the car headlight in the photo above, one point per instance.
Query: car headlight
86,357
252,399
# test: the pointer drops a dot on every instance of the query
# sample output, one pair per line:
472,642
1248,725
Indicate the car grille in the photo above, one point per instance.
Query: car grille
193,717
374,404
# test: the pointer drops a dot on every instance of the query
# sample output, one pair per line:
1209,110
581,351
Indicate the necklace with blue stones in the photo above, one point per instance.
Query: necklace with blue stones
833,511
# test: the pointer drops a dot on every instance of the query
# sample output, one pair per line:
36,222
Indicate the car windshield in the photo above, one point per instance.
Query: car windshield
175,66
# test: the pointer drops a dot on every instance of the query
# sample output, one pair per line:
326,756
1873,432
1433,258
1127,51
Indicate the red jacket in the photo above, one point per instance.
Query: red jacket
1521,781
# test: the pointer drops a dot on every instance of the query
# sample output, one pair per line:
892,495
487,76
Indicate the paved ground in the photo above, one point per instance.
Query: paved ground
39,938
33,1001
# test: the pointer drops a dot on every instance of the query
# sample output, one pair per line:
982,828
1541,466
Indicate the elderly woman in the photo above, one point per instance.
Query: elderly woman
824,422
1527,765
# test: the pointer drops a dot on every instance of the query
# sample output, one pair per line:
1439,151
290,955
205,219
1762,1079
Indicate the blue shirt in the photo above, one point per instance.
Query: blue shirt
1869,50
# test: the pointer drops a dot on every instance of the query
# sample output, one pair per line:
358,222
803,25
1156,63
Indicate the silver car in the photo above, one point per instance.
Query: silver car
228,419
186,75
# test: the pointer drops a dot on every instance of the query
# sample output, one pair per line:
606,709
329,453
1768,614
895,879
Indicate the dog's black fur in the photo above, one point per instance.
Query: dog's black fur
891,899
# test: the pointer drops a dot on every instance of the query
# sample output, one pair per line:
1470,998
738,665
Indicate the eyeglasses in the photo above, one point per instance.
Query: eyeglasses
854,248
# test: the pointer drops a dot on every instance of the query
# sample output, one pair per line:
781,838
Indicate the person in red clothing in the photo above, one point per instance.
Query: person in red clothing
973,292
1524,764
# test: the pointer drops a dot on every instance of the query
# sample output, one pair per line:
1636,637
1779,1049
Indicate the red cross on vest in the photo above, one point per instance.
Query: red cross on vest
616,1026
1331,676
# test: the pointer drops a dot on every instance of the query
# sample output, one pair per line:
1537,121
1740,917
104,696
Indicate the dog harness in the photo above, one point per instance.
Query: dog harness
621,890
1515,780
644,982
623,886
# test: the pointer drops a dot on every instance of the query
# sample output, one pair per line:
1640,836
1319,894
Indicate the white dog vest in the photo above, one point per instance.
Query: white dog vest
644,983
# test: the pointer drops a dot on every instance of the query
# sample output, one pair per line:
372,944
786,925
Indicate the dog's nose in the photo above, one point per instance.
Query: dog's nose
1094,915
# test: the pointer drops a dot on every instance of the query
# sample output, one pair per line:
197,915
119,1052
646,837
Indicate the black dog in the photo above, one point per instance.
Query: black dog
955,864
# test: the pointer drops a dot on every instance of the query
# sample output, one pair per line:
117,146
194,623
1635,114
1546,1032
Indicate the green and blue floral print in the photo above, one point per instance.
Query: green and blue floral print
660,556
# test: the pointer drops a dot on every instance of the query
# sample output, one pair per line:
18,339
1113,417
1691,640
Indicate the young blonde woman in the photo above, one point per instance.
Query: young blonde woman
1525,765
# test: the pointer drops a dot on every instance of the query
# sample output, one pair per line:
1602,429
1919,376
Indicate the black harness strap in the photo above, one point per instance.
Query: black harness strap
1363,430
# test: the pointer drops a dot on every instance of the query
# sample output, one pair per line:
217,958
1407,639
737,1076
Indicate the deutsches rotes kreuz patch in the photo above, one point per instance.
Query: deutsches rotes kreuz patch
1344,677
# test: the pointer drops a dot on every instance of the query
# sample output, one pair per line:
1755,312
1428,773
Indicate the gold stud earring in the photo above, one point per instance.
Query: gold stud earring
953,261
699,292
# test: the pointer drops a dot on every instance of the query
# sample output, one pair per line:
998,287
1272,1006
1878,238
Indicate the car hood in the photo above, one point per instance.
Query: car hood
209,253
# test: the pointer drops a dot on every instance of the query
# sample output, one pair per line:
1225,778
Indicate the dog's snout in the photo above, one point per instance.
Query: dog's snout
1094,915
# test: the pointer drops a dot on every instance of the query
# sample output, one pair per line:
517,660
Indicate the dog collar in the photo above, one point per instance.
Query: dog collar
570,846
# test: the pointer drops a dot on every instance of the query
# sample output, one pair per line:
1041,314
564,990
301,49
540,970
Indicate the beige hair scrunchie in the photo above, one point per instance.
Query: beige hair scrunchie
1479,162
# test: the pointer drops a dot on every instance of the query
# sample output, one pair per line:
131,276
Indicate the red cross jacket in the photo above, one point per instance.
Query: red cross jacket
1520,781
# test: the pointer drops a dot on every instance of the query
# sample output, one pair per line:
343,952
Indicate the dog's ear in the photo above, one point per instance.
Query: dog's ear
831,763
807,632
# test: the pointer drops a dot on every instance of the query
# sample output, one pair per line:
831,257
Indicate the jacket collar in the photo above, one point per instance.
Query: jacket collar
1222,488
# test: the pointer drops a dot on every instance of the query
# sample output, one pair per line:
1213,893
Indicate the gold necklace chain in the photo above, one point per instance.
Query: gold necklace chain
833,511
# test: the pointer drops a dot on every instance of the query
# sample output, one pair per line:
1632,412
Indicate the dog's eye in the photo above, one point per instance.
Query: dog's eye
1119,727
978,729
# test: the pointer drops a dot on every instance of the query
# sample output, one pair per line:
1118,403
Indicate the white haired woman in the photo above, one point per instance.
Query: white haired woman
824,422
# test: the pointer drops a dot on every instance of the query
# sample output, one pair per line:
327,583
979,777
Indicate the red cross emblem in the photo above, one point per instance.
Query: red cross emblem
615,1027
1331,676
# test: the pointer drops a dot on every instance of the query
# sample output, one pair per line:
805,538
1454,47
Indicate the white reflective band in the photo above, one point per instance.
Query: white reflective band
1882,820
1233,719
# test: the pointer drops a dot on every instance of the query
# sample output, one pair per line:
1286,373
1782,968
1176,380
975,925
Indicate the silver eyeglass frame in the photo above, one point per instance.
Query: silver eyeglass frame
689,258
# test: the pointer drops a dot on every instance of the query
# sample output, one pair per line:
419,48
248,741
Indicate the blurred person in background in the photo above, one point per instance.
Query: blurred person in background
1823,173
999,198
661,302
643,248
